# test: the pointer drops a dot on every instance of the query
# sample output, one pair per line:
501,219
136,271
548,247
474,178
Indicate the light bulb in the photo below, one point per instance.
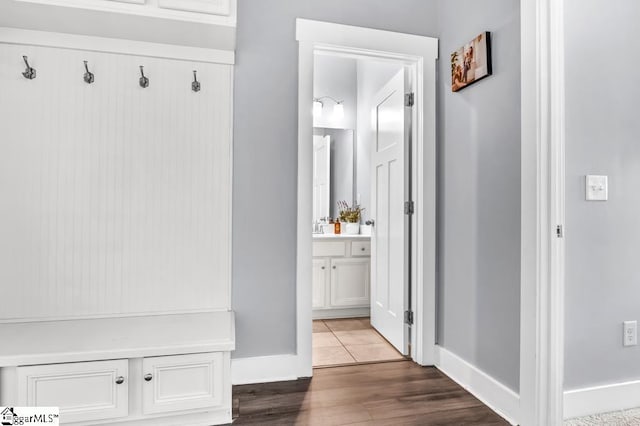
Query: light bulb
338,111
317,109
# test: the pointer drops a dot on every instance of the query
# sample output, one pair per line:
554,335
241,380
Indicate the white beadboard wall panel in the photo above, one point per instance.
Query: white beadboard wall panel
114,199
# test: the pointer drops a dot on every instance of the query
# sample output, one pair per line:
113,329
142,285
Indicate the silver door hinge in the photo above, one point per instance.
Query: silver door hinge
409,99
408,317
559,231
409,207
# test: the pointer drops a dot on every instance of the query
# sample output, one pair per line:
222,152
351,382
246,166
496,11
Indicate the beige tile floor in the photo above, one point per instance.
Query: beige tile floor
349,341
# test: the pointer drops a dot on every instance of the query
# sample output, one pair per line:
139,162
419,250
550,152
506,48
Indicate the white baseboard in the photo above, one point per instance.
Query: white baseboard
601,399
494,394
340,313
263,369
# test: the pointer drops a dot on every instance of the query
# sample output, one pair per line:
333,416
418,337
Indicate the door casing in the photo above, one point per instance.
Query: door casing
419,54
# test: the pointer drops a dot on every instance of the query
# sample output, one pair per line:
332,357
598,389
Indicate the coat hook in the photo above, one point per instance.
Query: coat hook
88,76
195,86
144,81
29,73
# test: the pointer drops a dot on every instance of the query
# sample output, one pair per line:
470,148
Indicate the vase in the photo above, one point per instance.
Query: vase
351,228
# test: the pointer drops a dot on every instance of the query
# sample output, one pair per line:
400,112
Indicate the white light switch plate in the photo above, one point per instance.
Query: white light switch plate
630,330
597,188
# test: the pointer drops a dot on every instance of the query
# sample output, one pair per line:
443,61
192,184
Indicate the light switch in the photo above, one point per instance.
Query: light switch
597,188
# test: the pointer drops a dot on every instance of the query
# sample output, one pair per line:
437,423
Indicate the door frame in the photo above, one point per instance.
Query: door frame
542,211
421,53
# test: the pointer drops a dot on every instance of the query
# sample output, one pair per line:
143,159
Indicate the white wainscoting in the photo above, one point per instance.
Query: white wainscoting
115,200
494,394
601,399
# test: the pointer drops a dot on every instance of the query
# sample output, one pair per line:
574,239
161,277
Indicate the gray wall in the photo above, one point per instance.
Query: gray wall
479,193
603,238
479,157
265,154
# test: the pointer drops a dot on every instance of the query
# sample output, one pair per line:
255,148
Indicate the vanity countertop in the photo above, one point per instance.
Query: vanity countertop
340,236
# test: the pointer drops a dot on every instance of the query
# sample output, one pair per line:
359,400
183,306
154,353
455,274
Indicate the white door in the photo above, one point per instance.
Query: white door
321,176
388,239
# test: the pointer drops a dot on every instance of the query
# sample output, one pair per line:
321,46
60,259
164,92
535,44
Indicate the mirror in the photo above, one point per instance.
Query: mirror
334,171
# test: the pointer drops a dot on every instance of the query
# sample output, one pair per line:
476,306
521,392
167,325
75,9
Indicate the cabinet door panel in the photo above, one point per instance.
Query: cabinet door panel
182,382
84,391
319,283
349,282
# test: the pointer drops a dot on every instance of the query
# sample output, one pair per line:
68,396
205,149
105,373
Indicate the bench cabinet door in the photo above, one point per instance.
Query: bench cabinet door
182,382
84,391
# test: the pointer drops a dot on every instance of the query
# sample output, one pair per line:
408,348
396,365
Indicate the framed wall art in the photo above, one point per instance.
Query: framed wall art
471,62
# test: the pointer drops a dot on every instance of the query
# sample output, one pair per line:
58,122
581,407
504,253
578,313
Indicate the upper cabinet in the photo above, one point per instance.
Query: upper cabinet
208,24
213,7
182,9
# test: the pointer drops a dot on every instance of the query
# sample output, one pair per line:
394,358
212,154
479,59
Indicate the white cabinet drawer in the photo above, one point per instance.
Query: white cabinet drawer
329,248
182,382
212,7
361,248
84,391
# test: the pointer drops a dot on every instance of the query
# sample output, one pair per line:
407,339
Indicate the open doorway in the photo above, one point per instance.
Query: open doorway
361,230
389,274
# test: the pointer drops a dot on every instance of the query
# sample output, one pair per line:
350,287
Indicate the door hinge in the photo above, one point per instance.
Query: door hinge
408,317
409,207
559,231
409,99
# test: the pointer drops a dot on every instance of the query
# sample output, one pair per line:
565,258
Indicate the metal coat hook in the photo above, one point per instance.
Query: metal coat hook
195,86
29,73
144,81
88,76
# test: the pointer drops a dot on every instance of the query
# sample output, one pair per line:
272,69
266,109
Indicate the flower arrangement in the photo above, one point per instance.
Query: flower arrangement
349,214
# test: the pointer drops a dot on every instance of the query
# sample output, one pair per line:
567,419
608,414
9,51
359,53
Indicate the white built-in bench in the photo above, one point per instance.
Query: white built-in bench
144,370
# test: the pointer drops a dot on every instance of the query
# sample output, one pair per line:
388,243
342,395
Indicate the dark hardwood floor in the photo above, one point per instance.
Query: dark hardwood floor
396,393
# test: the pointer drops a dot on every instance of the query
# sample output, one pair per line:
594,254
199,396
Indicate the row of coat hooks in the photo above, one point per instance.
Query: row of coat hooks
30,73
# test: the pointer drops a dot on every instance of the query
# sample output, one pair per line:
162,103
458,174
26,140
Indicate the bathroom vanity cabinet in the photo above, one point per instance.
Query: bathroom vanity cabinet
341,276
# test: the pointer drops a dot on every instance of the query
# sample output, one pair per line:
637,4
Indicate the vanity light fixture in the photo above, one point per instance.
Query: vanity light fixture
338,111
338,108
317,108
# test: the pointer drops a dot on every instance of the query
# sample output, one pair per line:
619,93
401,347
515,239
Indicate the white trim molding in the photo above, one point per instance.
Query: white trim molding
420,53
601,399
542,209
491,392
114,45
263,369
224,13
